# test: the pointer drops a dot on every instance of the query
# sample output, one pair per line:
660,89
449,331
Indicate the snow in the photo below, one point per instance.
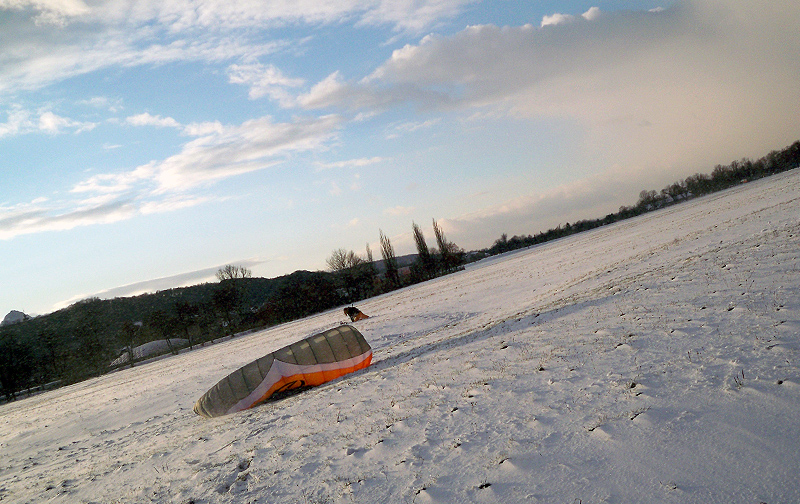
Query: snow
654,360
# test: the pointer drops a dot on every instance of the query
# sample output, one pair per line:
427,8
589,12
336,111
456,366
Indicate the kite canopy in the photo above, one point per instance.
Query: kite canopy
307,363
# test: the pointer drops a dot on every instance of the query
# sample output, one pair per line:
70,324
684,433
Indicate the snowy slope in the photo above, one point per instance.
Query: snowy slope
654,360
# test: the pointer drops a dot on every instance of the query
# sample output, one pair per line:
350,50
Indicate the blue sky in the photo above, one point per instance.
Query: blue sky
145,144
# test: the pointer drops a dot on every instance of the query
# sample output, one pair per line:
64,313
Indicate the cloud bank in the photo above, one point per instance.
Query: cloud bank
20,121
672,91
168,184
691,75
46,41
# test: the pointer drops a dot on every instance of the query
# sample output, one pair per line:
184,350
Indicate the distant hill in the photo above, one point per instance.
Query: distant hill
14,317
402,262
81,340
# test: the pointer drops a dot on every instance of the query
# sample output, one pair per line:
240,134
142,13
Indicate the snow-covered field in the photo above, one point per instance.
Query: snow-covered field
655,360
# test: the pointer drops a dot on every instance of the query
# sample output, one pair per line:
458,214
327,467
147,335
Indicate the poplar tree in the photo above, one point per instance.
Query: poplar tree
451,254
389,260
426,261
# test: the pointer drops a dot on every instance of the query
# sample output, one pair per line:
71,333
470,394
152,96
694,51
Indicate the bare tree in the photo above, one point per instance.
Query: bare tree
230,297
342,259
354,273
232,272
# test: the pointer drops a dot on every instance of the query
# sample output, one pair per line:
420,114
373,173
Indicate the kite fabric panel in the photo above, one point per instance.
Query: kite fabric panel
310,362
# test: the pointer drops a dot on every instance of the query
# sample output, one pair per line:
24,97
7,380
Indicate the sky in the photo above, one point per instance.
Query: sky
145,144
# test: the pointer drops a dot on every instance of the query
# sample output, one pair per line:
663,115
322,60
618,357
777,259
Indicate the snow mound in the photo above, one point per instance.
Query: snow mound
149,349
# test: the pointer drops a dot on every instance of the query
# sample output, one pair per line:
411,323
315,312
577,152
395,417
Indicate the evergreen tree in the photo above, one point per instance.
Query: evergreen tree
452,255
425,259
15,365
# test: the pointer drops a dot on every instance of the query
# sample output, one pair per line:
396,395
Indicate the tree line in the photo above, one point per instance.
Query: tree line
360,277
80,341
722,177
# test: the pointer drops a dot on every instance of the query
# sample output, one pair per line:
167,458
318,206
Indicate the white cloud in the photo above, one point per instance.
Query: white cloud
88,37
334,91
350,163
591,14
103,102
112,183
556,19
35,218
18,121
172,203
51,123
265,80
49,12
180,15
192,129
254,145
166,185
330,91
204,128
412,16
34,59
147,119
686,72
414,126
221,153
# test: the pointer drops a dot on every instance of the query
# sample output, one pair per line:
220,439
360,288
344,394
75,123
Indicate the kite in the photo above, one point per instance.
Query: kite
310,362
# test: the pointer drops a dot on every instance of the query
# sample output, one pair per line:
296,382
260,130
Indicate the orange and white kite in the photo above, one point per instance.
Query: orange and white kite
307,363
